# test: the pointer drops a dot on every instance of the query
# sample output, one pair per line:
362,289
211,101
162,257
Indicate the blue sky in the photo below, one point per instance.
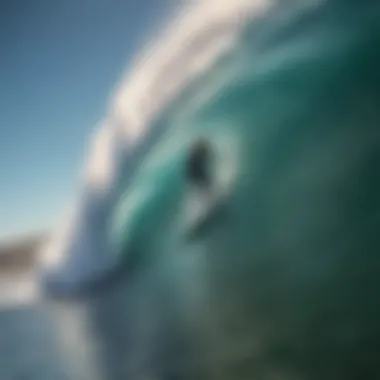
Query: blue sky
59,64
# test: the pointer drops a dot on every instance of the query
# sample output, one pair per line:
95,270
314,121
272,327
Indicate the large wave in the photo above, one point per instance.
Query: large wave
196,37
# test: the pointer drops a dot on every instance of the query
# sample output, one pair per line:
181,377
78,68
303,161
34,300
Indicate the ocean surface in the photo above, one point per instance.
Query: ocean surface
36,335
42,339
33,347
28,348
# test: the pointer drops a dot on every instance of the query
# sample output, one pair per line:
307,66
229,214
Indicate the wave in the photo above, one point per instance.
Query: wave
197,36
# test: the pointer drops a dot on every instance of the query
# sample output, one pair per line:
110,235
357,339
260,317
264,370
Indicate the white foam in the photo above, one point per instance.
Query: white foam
18,290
